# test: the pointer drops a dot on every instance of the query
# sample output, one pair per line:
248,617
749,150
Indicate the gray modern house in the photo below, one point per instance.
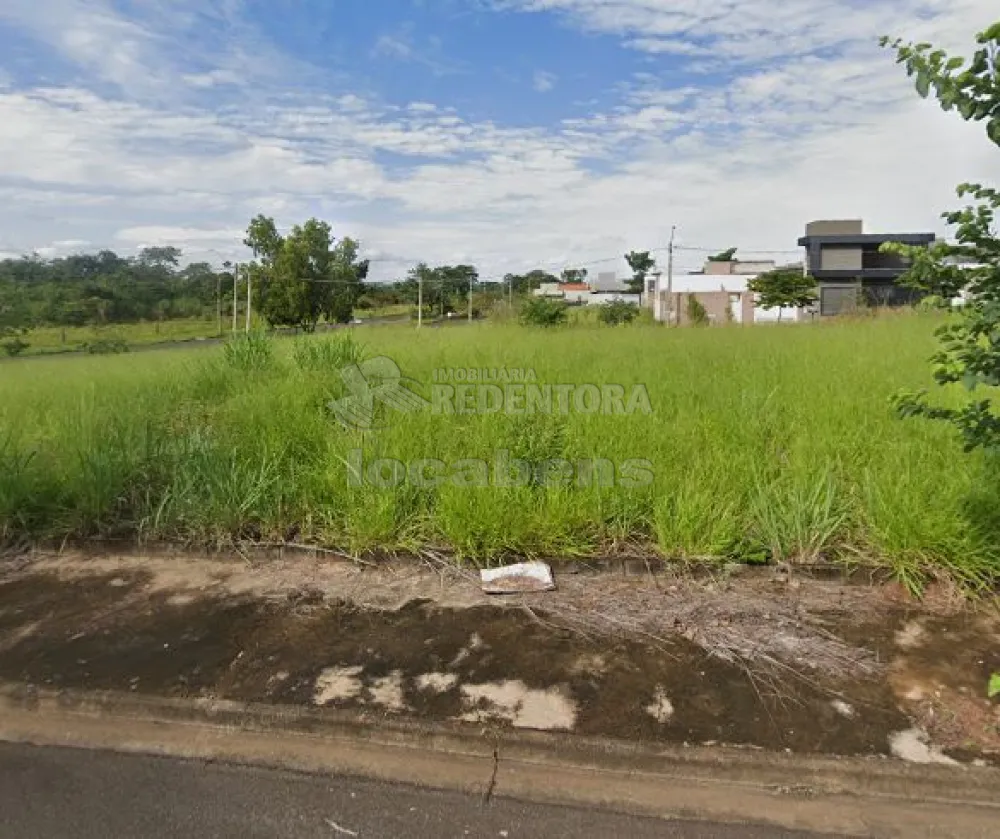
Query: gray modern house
848,265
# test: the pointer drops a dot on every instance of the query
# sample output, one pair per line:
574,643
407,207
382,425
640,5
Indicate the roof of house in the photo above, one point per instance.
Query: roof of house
574,287
687,283
608,281
868,239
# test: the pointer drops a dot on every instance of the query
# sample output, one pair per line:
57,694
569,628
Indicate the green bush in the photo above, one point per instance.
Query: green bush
327,354
15,346
540,311
696,312
249,351
107,346
618,312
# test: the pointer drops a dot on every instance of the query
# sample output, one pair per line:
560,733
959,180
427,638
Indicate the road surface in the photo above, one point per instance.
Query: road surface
50,793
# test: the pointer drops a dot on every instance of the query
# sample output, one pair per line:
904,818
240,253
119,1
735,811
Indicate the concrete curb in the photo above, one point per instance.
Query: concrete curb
876,797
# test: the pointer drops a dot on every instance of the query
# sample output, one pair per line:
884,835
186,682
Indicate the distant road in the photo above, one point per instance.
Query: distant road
208,342
50,793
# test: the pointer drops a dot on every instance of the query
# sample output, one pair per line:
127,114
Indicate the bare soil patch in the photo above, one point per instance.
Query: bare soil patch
754,659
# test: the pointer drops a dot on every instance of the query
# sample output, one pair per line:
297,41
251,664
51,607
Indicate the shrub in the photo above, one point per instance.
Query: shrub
249,351
329,354
696,312
540,311
15,346
617,312
107,346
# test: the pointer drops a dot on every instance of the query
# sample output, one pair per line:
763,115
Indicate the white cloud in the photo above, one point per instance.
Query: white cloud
402,45
393,46
544,82
808,124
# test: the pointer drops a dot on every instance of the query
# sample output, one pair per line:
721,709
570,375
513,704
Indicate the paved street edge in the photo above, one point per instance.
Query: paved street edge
861,797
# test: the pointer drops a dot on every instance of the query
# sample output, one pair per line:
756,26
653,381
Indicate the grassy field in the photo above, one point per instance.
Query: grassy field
765,444
54,339
48,340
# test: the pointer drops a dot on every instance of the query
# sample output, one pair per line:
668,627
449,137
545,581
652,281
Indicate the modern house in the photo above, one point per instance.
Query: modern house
721,289
849,266
605,289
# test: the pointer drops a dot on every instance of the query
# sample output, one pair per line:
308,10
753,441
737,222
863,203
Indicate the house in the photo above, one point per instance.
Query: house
575,292
720,287
569,292
606,288
548,290
609,282
599,298
849,266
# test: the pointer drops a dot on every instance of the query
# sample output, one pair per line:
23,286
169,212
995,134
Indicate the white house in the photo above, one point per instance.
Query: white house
721,288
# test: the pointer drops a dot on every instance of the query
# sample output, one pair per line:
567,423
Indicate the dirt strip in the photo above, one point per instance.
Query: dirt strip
756,660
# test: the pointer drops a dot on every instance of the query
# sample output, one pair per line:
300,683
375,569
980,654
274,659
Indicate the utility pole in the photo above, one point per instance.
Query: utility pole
670,276
236,274
420,297
218,300
248,301
471,278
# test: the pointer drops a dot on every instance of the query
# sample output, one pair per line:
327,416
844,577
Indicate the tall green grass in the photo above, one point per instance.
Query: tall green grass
767,443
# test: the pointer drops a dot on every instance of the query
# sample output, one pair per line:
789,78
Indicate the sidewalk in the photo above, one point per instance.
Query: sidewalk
645,693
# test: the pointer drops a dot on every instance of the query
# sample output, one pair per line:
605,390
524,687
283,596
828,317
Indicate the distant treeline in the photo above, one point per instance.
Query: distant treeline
105,288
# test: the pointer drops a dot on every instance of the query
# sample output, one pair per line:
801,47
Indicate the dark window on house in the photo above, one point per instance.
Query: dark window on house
889,294
873,259
837,300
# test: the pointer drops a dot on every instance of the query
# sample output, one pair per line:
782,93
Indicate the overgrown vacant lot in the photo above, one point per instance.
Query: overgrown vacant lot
769,443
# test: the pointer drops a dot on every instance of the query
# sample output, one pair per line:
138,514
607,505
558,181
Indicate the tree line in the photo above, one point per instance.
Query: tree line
106,288
297,279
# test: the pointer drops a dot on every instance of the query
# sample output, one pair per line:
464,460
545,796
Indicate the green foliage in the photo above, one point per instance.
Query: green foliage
526,283
249,351
15,346
993,688
754,455
617,312
113,345
303,276
696,312
574,275
104,288
641,264
970,344
540,311
444,288
784,288
725,256
327,354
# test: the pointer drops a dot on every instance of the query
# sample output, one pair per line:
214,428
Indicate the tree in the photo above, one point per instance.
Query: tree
696,312
525,283
641,264
725,256
165,257
539,311
970,342
303,276
784,288
617,312
574,275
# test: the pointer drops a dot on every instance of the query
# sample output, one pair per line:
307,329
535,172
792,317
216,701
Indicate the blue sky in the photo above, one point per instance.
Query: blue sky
508,133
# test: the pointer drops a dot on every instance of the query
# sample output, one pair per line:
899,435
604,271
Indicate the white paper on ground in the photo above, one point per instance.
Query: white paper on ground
514,579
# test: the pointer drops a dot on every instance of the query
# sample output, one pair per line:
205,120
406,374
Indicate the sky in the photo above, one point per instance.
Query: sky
510,134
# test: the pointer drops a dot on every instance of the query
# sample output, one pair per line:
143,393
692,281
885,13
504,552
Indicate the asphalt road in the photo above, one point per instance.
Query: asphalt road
46,793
